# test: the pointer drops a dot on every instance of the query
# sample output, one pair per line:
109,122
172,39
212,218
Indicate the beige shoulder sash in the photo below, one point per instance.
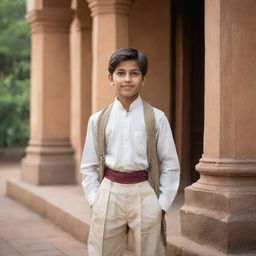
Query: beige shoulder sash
101,143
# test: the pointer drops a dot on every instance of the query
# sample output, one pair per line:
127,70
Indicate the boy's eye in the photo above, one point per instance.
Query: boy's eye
135,73
120,73
123,73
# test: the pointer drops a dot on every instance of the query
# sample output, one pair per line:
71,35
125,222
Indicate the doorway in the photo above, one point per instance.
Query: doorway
187,78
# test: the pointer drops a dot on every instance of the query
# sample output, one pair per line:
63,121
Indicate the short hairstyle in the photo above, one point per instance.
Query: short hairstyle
124,54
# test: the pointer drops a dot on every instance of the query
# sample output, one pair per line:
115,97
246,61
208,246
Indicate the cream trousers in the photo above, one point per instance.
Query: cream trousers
119,208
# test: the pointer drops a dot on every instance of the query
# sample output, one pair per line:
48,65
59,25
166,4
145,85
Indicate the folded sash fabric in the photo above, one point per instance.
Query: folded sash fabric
126,177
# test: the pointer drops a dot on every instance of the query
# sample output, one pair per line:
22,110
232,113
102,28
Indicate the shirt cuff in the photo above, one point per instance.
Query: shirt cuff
164,206
166,202
91,196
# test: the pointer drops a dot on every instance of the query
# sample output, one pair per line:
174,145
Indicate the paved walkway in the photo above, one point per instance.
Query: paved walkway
23,232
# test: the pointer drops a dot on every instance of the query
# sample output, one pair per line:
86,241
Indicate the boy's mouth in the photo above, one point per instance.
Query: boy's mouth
127,86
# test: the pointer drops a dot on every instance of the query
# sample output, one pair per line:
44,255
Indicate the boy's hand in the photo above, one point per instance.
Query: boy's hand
163,212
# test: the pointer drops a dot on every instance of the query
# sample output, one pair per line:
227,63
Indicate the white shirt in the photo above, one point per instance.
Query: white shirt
126,149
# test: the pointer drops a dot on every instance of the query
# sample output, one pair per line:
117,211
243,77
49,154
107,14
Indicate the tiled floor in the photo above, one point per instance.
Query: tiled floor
23,232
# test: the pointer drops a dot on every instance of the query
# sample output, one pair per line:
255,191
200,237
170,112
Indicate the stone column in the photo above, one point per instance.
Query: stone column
110,32
220,209
81,72
49,158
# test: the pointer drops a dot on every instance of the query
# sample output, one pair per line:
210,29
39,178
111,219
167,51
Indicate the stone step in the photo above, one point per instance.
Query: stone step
66,206
181,246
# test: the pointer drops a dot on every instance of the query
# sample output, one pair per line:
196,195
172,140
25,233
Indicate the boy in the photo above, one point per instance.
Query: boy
124,200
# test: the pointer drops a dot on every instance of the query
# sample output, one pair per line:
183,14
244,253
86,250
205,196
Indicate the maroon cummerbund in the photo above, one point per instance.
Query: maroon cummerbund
126,177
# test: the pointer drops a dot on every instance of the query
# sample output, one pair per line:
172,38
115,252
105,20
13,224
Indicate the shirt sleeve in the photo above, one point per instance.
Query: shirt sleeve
169,164
90,163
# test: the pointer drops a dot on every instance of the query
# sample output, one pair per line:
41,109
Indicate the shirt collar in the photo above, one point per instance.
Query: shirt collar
137,102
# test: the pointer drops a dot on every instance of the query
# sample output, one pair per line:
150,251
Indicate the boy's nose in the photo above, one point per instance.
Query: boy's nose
127,77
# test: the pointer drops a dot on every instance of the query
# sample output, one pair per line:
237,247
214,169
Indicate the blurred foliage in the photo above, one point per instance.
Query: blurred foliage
14,73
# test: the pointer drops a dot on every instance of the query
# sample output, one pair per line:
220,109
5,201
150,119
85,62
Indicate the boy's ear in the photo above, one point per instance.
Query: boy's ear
110,77
143,80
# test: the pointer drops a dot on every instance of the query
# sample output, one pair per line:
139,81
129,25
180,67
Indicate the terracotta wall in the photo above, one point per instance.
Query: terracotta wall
149,31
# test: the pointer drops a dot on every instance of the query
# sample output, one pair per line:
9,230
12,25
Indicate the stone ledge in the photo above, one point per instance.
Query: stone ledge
181,246
49,201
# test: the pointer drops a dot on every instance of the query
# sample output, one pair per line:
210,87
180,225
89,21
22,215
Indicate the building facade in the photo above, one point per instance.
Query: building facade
202,73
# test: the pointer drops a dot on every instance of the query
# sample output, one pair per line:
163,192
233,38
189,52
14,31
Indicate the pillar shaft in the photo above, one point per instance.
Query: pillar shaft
110,32
220,209
49,158
81,72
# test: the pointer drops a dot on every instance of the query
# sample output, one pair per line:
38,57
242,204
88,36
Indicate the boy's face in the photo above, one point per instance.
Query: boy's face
127,79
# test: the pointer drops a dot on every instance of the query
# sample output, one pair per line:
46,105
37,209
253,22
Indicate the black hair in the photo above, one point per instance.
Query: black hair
124,54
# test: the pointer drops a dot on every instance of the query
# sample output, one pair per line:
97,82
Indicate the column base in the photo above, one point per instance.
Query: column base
48,163
220,212
181,246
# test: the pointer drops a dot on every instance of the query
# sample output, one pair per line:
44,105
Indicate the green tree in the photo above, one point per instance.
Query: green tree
14,73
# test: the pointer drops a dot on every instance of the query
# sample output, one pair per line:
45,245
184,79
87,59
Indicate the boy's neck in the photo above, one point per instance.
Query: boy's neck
126,102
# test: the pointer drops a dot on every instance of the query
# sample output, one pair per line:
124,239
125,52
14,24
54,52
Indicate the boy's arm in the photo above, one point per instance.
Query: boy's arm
90,162
169,164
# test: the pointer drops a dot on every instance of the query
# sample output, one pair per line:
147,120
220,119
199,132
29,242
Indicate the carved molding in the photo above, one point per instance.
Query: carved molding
49,147
110,6
50,20
227,167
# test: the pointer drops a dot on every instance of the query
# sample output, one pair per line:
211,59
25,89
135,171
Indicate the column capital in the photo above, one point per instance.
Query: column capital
110,6
50,20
